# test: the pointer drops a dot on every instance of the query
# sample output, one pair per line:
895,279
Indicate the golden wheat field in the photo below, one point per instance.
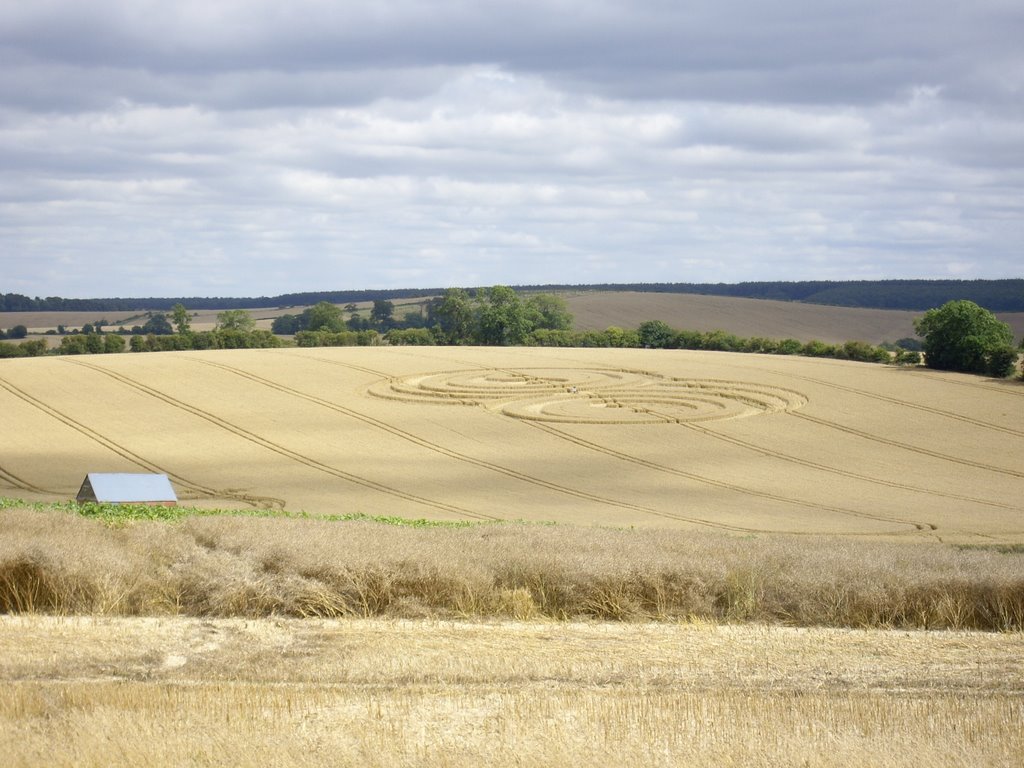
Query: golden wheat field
702,440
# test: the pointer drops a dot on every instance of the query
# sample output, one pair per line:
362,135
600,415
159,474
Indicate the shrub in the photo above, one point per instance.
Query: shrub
419,337
817,348
961,336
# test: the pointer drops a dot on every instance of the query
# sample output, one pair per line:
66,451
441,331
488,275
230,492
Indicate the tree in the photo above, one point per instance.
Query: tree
961,336
323,316
655,334
503,317
286,325
17,332
234,320
453,314
113,343
180,316
158,325
382,313
552,312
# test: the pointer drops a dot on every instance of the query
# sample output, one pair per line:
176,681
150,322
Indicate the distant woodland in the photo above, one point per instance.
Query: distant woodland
913,295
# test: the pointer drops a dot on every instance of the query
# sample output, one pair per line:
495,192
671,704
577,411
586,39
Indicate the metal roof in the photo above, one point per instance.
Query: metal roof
126,488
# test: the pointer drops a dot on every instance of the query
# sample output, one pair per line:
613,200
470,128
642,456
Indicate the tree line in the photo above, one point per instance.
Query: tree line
958,336
914,295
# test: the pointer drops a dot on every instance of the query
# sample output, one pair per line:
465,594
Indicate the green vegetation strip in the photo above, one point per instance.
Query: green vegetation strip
116,514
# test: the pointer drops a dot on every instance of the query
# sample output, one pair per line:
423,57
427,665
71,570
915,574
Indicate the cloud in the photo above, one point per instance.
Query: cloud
256,147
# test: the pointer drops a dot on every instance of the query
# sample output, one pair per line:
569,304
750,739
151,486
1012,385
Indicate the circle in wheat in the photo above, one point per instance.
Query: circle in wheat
591,395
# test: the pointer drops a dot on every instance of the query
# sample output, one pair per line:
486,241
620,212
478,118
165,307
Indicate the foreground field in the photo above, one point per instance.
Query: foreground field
164,692
699,440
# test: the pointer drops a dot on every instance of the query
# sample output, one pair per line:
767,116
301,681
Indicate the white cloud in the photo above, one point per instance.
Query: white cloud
287,146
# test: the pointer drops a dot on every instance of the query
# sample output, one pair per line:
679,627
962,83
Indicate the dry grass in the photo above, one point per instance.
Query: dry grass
229,566
91,692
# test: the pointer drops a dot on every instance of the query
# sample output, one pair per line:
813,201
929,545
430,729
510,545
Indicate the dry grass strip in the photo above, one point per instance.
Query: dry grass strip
56,562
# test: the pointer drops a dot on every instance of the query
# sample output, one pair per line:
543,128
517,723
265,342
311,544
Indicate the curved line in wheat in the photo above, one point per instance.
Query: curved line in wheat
691,476
721,483
522,476
282,450
912,404
756,448
16,482
106,442
590,395
1005,389
907,446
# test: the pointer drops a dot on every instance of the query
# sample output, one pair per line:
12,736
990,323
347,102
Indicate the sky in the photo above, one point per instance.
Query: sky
257,147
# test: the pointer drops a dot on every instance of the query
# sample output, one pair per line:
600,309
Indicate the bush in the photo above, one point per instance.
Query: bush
11,350
656,334
789,347
73,345
113,343
865,353
961,336
906,357
1001,361
419,337
817,348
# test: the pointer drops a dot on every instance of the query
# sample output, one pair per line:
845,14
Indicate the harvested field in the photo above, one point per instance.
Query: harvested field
164,692
750,317
700,440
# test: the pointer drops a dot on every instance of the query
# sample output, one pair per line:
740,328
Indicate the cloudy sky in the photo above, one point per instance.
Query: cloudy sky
255,147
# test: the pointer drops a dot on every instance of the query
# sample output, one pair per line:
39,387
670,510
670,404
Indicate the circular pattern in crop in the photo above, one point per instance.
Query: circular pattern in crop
591,395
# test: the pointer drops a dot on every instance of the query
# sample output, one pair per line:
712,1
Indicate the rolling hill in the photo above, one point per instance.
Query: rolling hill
735,443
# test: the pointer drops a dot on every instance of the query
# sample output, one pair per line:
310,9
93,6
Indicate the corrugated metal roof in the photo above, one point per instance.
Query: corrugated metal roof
126,488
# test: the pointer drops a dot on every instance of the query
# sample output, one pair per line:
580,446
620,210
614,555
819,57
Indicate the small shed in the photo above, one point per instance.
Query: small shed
127,488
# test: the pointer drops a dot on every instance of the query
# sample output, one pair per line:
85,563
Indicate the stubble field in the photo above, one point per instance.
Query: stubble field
159,692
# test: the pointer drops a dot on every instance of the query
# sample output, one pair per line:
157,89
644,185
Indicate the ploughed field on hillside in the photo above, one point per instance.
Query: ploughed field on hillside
702,440
595,310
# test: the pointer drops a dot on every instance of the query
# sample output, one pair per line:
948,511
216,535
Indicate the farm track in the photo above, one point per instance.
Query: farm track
700,478
24,485
1004,389
907,446
282,450
106,442
825,468
756,448
431,446
913,405
727,486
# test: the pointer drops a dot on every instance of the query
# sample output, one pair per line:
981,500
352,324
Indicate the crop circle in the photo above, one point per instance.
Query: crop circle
591,395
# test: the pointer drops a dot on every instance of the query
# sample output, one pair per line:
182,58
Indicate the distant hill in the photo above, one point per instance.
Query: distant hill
913,295
596,310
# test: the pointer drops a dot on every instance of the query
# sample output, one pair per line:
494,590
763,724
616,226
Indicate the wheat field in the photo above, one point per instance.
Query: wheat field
744,444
